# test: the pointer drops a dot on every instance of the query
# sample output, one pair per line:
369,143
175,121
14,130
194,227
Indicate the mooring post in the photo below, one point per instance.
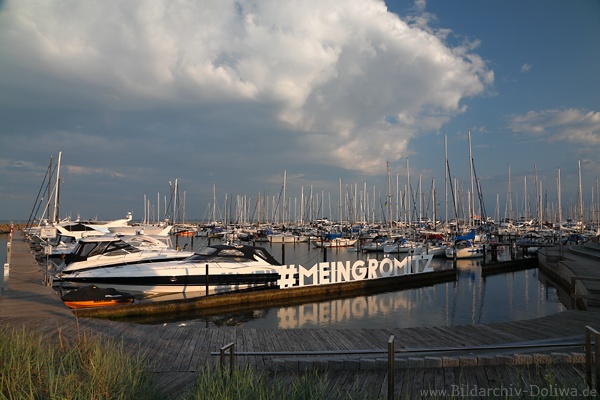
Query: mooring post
206,276
6,271
484,254
391,360
589,360
282,253
454,258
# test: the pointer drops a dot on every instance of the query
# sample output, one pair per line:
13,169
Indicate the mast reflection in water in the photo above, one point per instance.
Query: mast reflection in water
471,299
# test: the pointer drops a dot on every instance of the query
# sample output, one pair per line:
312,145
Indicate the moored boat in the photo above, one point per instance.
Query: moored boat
465,247
218,268
93,296
334,240
97,252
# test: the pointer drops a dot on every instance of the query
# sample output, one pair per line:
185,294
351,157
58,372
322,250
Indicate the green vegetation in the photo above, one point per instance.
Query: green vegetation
34,367
245,383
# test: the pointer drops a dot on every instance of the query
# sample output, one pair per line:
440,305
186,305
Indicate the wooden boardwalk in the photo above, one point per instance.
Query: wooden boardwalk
176,353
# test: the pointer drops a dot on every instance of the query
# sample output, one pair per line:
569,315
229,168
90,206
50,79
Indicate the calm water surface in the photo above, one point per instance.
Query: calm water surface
472,299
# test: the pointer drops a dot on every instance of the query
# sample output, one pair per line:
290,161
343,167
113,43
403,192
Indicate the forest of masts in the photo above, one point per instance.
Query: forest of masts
401,204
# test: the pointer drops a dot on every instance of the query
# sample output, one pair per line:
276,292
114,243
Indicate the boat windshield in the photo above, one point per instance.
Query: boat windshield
233,254
221,255
110,248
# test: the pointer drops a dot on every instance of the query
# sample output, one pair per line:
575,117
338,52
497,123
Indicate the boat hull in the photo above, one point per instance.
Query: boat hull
339,242
468,252
179,278
94,296
180,283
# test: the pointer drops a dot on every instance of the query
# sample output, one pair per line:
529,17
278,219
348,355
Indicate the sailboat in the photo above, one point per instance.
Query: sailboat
465,247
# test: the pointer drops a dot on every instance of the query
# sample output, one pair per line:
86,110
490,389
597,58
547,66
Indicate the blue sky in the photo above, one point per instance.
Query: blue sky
232,94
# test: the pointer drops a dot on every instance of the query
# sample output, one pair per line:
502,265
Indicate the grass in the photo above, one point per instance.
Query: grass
34,367
245,383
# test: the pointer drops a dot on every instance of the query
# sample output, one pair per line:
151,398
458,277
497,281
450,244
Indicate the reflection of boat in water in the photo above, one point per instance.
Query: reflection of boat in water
221,268
93,296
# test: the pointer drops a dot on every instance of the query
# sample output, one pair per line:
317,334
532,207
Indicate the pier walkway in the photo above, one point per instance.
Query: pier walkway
577,269
175,354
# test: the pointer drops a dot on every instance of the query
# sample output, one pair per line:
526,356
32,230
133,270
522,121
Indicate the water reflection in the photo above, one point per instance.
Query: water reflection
471,299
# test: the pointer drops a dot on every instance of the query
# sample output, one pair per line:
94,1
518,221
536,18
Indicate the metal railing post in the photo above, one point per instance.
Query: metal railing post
231,349
391,359
589,360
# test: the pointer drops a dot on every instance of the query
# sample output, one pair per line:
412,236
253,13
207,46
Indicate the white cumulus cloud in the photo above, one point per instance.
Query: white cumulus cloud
352,81
568,125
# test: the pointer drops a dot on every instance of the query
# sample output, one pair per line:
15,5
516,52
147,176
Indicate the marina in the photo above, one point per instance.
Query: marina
393,200
176,351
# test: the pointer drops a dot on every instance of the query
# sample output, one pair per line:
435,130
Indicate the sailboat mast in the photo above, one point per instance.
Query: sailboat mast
340,202
283,206
49,191
409,194
434,209
580,211
258,205
56,189
214,216
446,177
559,213
472,200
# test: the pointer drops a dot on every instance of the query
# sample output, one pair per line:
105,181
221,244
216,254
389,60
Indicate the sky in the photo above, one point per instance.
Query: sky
226,97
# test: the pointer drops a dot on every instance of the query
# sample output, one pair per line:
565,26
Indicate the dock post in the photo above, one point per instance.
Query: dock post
225,349
5,277
454,259
206,276
8,250
391,359
589,361
282,253
6,271
484,255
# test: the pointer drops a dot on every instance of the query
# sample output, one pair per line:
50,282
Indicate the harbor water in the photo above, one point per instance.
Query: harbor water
471,299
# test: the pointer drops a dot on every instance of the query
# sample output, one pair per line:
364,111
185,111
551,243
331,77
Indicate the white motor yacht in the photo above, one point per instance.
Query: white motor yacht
220,268
102,251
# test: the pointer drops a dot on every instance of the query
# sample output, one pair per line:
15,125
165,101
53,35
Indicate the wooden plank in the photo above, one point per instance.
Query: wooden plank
418,384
